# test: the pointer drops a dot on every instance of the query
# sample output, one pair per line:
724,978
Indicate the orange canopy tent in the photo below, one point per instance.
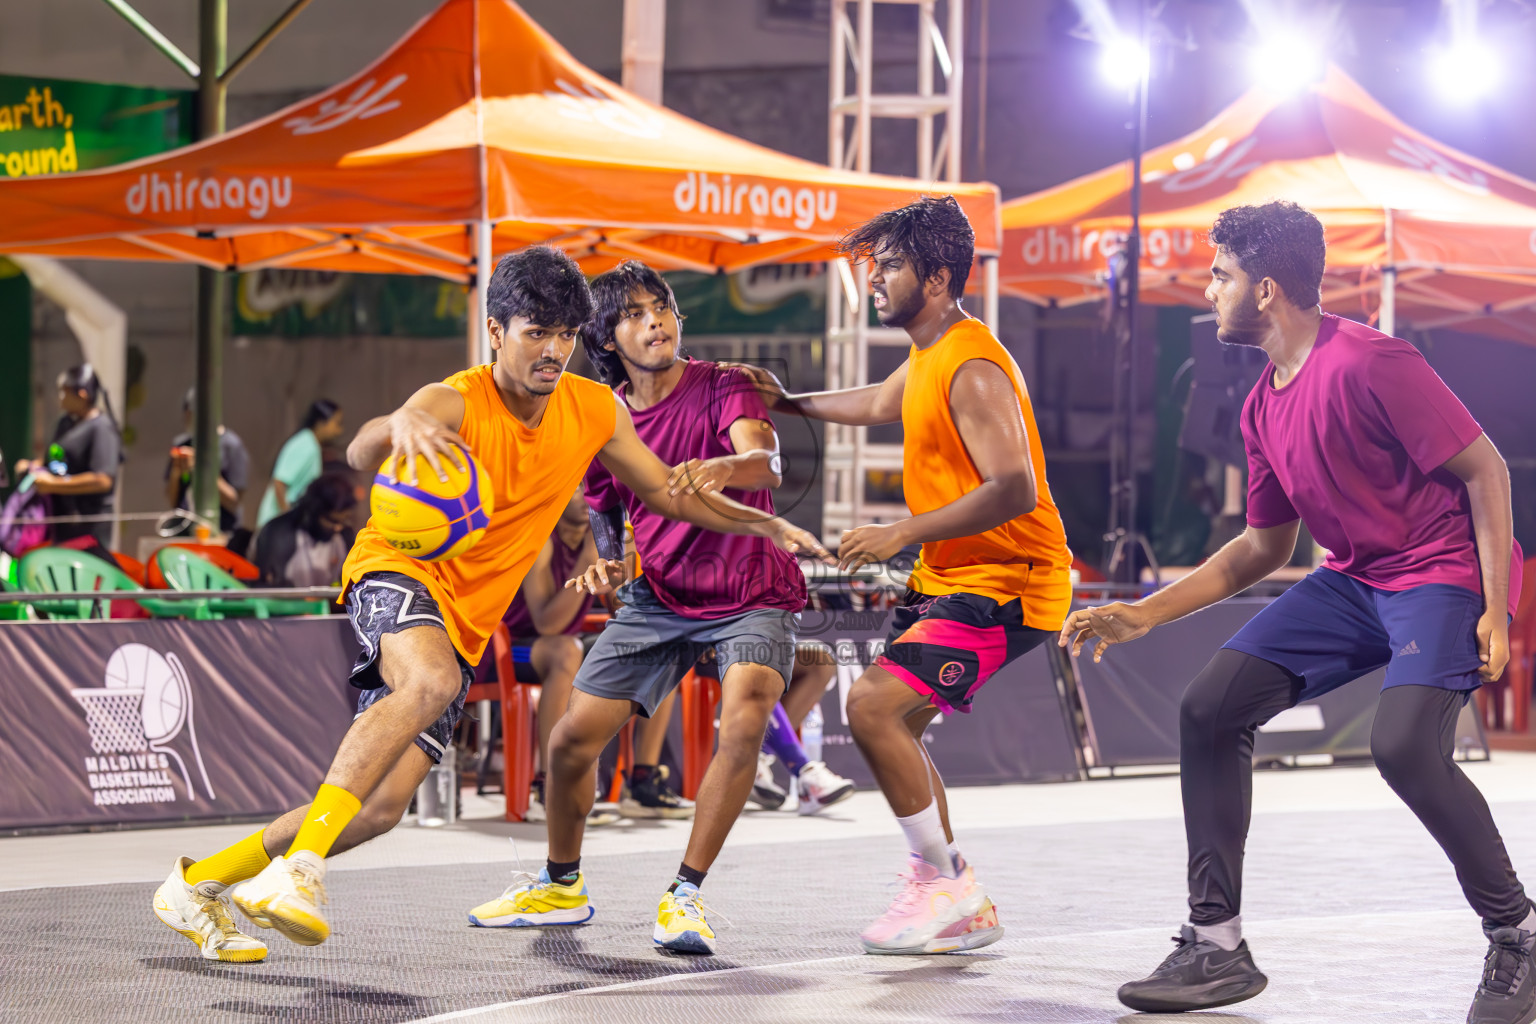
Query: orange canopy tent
1417,231
477,131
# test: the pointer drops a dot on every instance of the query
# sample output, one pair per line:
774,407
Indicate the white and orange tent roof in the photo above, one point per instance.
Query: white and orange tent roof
1462,232
476,115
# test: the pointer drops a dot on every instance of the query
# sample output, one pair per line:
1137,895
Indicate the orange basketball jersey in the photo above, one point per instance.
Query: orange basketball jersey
533,474
1025,557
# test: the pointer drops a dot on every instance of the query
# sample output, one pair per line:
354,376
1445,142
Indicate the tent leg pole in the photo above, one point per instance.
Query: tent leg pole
989,296
212,285
209,412
1386,322
479,334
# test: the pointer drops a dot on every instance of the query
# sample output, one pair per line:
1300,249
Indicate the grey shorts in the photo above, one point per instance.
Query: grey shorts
645,650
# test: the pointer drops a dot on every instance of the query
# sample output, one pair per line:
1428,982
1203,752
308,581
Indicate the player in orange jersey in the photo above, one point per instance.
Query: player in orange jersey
423,625
993,578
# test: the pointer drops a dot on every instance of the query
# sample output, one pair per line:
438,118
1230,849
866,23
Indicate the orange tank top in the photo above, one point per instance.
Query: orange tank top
1025,557
533,475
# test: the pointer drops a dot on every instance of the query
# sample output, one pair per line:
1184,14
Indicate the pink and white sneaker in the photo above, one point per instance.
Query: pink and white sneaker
932,914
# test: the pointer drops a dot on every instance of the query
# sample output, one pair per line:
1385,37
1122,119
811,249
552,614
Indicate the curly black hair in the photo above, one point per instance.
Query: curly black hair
543,284
932,233
611,293
1279,240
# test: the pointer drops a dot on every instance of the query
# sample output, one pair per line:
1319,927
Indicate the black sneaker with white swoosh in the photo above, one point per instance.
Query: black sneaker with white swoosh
1197,975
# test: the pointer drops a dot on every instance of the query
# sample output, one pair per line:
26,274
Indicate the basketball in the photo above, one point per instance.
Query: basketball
432,519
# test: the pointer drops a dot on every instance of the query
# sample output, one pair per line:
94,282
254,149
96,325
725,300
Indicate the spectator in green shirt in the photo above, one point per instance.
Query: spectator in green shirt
300,461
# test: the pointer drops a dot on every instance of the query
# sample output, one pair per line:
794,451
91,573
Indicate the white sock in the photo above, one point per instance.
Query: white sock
1529,924
925,836
954,853
1228,934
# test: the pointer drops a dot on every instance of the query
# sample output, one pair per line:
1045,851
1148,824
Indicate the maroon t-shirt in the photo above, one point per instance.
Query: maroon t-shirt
1354,445
695,572
562,565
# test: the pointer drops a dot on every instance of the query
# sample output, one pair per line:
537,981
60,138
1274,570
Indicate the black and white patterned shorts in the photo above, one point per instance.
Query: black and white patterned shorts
390,602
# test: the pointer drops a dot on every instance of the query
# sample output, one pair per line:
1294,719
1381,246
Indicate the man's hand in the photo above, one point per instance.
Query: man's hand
603,576
414,432
698,476
868,545
795,540
1493,644
22,465
1116,623
766,383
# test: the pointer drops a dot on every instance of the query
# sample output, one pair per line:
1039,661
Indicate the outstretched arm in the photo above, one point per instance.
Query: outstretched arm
867,406
991,424
755,466
1483,470
1241,563
426,425
638,468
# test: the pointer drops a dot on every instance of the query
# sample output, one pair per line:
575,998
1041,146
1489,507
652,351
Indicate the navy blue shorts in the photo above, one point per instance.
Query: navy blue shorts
1331,628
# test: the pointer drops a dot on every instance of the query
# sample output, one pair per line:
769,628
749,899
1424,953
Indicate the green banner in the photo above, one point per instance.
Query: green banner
788,299
319,303
53,125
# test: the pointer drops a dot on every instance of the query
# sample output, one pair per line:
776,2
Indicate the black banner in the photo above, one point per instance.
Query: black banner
1132,697
168,720
1016,732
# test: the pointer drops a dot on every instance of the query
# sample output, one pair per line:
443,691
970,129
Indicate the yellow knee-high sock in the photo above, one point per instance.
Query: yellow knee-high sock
332,808
232,864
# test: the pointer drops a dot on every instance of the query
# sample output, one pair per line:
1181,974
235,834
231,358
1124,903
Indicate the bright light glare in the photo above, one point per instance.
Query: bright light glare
1287,64
1123,62
1466,70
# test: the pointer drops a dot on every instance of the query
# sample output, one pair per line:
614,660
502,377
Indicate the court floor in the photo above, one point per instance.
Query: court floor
1350,908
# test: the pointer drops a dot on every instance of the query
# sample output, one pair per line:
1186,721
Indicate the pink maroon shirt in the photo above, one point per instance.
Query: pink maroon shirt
695,572
1354,446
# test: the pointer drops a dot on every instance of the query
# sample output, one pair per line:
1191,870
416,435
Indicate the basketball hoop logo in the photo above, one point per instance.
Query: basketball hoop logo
142,708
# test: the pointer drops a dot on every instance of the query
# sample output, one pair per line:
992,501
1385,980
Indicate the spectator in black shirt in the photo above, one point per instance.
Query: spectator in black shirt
80,471
305,546
234,470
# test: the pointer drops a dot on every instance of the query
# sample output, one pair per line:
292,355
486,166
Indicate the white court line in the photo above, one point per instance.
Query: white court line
550,997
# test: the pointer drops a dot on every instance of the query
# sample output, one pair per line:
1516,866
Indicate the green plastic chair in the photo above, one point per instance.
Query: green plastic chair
62,570
184,570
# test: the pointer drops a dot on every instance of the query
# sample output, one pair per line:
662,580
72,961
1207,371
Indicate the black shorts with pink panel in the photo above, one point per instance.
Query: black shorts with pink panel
947,647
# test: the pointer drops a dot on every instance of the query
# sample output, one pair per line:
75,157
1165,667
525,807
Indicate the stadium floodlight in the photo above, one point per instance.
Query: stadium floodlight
1124,61
1465,70
1287,64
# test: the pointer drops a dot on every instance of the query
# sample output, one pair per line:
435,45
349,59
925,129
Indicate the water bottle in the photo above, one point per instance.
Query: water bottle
437,797
810,733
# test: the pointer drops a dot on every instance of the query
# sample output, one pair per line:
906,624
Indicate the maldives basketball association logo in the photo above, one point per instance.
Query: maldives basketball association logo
142,731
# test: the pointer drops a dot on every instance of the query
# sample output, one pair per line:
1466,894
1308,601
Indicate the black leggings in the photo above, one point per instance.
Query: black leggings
1412,741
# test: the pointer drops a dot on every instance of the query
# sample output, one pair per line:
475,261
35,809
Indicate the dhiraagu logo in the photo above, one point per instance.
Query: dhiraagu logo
721,194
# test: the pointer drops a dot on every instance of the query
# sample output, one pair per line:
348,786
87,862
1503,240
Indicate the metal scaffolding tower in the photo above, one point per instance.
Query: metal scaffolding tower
849,455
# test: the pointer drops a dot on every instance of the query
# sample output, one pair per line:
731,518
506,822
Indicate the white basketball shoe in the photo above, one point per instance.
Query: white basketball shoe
202,913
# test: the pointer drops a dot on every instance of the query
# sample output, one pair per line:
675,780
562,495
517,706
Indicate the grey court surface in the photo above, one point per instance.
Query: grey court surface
1353,912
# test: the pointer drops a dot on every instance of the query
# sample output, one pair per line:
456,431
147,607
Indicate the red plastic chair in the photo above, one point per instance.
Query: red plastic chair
625,762
519,738
1522,663
700,696
225,559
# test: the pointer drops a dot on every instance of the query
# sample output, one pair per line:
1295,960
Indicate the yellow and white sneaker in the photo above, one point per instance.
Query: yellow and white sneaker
201,913
680,923
287,896
535,902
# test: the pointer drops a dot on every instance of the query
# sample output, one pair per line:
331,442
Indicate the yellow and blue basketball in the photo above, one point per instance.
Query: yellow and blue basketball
432,519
